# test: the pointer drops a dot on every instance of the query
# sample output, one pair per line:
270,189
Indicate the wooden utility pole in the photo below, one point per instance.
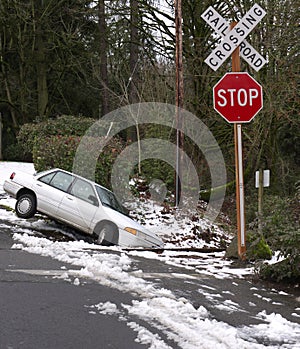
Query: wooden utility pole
179,100
239,176
0,136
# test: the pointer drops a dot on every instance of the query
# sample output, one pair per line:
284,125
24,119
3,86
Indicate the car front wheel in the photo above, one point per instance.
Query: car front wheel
107,236
26,206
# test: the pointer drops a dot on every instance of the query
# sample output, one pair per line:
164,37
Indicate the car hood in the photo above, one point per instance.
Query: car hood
124,221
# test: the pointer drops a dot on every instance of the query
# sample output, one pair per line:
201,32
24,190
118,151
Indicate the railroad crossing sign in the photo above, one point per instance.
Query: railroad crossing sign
234,38
237,97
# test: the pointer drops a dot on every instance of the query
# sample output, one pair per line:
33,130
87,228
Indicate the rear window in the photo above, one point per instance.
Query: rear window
47,179
59,180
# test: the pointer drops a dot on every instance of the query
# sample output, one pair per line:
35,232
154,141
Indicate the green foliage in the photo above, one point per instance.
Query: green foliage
54,143
15,152
157,169
281,230
258,247
54,151
66,125
59,151
284,271
289,242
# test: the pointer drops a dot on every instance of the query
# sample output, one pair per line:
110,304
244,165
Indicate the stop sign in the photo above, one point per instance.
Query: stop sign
238,97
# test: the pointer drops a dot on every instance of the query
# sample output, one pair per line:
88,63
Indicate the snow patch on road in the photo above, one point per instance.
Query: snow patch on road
177,318
148,338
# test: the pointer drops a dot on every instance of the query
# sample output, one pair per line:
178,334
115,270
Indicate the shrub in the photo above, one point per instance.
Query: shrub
54,151
53,143
59,151
64,125
15,152
284,271
158,169
258,247
282,233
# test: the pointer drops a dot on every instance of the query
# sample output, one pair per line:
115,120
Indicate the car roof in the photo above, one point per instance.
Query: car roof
72,174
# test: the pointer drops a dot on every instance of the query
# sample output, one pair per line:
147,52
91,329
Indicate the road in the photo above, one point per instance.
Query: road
42,309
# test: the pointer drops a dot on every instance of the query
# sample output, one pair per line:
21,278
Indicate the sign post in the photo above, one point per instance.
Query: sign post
239,174
237,96
262,179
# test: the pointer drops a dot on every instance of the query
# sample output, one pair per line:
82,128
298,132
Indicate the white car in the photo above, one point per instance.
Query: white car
79,203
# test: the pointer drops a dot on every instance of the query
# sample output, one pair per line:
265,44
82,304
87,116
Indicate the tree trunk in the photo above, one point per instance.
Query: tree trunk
133,96
134,51
41,68
103,58
7,89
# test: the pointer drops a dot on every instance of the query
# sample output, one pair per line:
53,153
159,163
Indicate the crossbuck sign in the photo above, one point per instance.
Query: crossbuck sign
234,38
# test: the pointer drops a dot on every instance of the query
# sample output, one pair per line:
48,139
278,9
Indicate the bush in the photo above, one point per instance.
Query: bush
288,244
59,151
15,152
284,271
282,233
258,247
64,125
158,169
53,143
54,151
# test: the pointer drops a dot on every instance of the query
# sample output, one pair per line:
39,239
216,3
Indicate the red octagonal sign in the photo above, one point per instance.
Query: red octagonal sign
238,97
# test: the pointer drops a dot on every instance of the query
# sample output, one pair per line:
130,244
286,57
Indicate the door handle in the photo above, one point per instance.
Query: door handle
39,184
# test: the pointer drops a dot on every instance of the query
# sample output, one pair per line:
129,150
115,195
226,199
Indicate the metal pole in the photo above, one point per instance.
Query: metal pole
240,206
179,100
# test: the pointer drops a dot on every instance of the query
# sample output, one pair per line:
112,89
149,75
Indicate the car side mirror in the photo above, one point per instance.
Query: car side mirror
94,200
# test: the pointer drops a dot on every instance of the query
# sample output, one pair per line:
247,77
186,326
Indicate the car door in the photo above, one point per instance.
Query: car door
79,205
50,190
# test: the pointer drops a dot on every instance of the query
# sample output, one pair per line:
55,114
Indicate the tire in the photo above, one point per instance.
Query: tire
107,236
26,206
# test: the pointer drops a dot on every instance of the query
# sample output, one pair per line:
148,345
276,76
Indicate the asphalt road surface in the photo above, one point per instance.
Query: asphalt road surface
40,310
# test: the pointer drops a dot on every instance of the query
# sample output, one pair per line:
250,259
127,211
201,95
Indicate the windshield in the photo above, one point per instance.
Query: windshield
109,199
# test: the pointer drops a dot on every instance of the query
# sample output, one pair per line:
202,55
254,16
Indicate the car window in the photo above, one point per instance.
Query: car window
109,199
47,178
61,181
84,191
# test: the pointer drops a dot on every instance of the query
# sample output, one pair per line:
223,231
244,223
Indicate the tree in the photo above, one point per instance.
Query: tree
40,56
103,48
275,132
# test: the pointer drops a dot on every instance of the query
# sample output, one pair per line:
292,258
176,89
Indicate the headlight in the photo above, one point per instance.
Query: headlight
131,230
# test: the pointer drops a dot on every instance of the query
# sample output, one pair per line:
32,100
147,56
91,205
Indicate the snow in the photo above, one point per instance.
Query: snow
168,316
106,308
6,169
179,228
276,328
148,338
